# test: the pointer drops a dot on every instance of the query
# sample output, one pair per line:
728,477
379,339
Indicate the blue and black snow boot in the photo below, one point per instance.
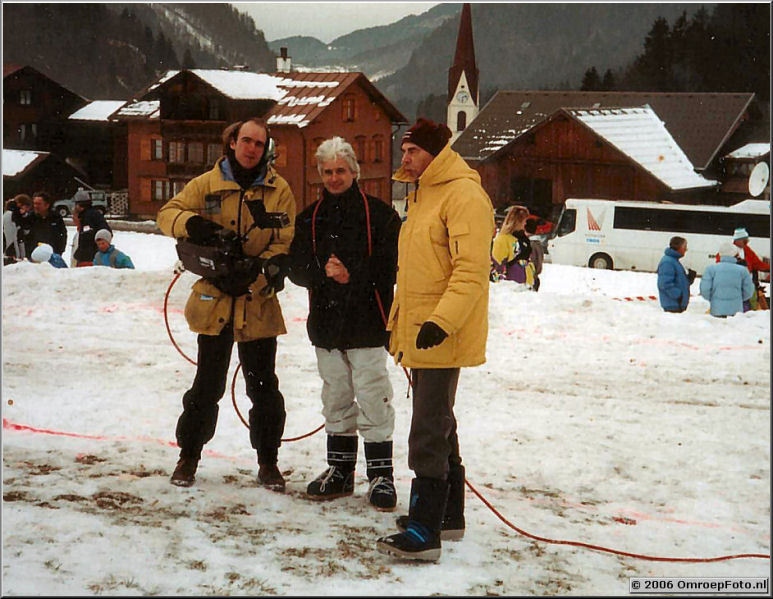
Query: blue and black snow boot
421,538
452,528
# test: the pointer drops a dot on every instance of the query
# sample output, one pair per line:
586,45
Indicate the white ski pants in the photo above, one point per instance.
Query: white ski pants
356,373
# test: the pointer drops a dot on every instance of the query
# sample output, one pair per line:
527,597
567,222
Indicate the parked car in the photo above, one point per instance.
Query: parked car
99,201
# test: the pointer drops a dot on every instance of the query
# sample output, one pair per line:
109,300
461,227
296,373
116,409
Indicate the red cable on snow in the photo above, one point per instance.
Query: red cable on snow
233,400
467,482
233,384
653,558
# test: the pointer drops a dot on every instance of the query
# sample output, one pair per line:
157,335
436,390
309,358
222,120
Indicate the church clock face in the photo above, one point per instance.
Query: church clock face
462,97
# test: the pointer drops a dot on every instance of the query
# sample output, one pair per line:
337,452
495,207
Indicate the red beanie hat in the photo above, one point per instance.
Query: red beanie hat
428,135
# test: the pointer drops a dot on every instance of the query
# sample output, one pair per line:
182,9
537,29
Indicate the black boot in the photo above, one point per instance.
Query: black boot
452,528
421,539
381,493
185,472
338,479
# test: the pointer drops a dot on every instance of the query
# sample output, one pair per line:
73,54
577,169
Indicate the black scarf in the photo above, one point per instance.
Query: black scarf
243,176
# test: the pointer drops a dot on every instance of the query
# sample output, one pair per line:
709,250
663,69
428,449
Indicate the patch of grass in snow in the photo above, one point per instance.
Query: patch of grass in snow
113,584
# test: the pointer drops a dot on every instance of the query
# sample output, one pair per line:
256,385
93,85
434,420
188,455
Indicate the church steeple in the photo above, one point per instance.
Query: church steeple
463,94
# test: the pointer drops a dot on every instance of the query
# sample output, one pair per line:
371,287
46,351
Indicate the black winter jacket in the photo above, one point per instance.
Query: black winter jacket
346,316
48,229
91,221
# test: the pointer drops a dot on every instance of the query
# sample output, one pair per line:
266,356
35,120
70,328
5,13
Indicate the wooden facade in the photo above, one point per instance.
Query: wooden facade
168,148
559,159
361,122
35,110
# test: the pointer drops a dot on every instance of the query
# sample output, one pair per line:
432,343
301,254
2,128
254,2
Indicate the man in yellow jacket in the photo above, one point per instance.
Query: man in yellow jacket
438,324
233,199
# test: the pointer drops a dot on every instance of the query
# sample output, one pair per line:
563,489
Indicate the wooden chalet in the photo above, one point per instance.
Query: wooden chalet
35,109
174,128
540,147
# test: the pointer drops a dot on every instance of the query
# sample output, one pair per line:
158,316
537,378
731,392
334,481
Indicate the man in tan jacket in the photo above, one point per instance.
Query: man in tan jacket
234,198
438,324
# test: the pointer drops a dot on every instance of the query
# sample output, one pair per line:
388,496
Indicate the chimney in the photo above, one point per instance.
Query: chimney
283,62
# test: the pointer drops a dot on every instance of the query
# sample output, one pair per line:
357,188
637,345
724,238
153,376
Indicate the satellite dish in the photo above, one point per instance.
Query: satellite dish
758,179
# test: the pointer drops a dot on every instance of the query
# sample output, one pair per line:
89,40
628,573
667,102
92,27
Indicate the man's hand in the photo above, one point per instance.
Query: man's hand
275,270
430,335
200,230
336,270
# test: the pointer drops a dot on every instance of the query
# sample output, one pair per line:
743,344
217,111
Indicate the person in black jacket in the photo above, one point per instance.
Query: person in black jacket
345,252
45,225
89,220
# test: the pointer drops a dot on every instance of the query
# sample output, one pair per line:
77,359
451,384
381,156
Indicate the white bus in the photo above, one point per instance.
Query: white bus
633,235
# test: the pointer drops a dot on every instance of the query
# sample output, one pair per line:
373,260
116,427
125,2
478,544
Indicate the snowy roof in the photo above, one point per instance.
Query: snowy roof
237,85
97,110
149,109
753,150
300,96
242,85
16,162
699,122
642,136
309,93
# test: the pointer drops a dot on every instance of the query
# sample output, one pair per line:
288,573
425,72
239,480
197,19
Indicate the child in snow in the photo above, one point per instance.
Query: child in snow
45,253
108,255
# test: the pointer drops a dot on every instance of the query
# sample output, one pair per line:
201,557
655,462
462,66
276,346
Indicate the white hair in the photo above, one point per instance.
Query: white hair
335,148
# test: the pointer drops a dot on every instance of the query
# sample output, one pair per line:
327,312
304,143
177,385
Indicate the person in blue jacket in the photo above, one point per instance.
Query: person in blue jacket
726,284
673,282
107,255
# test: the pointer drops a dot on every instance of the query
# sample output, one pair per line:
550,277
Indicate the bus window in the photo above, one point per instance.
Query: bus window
567,223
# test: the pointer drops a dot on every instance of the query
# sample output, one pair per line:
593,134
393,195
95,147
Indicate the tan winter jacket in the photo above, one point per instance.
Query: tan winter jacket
443,266
209,309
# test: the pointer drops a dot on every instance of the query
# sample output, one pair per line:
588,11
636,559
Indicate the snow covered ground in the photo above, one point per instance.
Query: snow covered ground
595,419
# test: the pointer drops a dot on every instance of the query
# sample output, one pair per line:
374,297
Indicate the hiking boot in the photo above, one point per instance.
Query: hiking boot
184,473
270,477
382,494
331,484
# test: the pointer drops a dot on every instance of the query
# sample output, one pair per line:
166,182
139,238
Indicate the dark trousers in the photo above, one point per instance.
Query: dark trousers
196,425
433,445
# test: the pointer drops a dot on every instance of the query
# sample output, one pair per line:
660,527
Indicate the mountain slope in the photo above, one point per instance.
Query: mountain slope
111,51
531,46
376,51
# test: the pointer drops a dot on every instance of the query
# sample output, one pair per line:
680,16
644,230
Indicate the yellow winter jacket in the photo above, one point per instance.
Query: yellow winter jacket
208,309
443,266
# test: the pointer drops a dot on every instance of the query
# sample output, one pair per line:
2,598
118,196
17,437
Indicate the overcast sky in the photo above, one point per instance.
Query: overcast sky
325,20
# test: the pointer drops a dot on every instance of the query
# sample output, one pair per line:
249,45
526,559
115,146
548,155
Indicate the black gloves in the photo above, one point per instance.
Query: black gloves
691,275
430,335
200,230
275,270
12,206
